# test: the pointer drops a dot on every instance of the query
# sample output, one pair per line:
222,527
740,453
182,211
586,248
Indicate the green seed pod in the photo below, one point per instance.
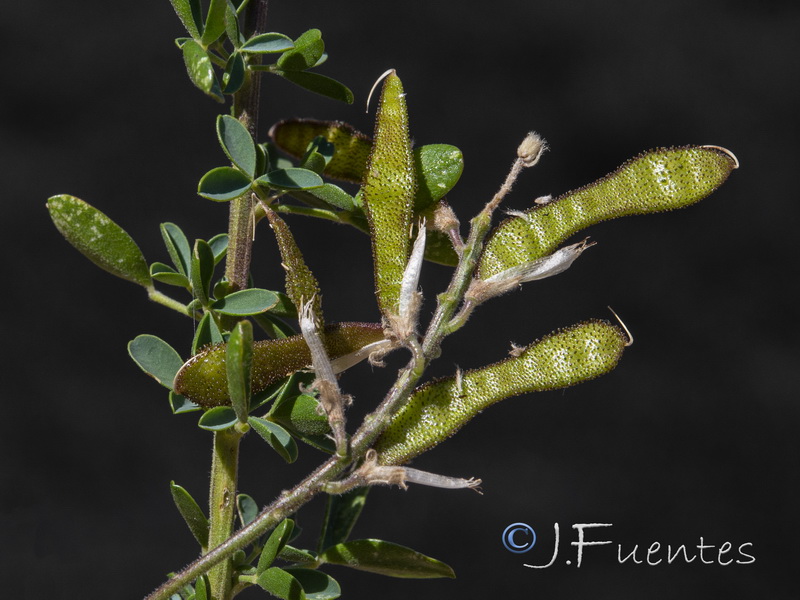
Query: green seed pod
658,180
440,408
352,147
203,378
388,192
301,285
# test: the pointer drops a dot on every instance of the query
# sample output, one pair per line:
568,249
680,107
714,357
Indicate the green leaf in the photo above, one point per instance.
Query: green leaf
246,302
274,327
313,161
177,247
237,143
385,558
319,84
439,248
191,513
219,246
279,583
180,405
277,540
218,418
273,159
316,585
99,239
325,149
439,167
658,180
300,414
166,274
207,333
232,25
223,184
194,306
202,588
326,196
320,442
291,179
295,555
263,158
341,515
221,288
201,70
156,358
189,13
215,22
268,394
308,49
284,308
276,436
247,508
234,74
202,270
265,43
238,362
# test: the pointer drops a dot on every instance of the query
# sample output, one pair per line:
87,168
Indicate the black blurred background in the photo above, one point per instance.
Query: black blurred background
693,435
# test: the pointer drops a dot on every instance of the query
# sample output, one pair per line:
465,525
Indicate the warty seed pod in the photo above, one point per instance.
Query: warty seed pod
203,377
657,180
440,408
389,190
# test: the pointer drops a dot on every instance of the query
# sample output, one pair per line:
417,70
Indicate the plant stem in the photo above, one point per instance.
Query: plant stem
448,302
286,504
222,506
245,108
240,245
165,300
225,458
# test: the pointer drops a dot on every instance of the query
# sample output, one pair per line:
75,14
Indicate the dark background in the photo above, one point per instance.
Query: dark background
693,435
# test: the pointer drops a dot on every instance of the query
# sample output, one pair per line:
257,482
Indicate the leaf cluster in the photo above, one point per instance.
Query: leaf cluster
220,58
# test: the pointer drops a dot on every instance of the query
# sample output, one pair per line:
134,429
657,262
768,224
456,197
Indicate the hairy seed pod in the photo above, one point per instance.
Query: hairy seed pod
352,147
389,189
301,285
203,377
658,180
440,408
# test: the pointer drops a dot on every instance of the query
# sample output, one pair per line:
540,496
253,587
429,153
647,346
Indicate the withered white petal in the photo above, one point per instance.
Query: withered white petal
410,282
319,356
553,264
440,481
348,360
